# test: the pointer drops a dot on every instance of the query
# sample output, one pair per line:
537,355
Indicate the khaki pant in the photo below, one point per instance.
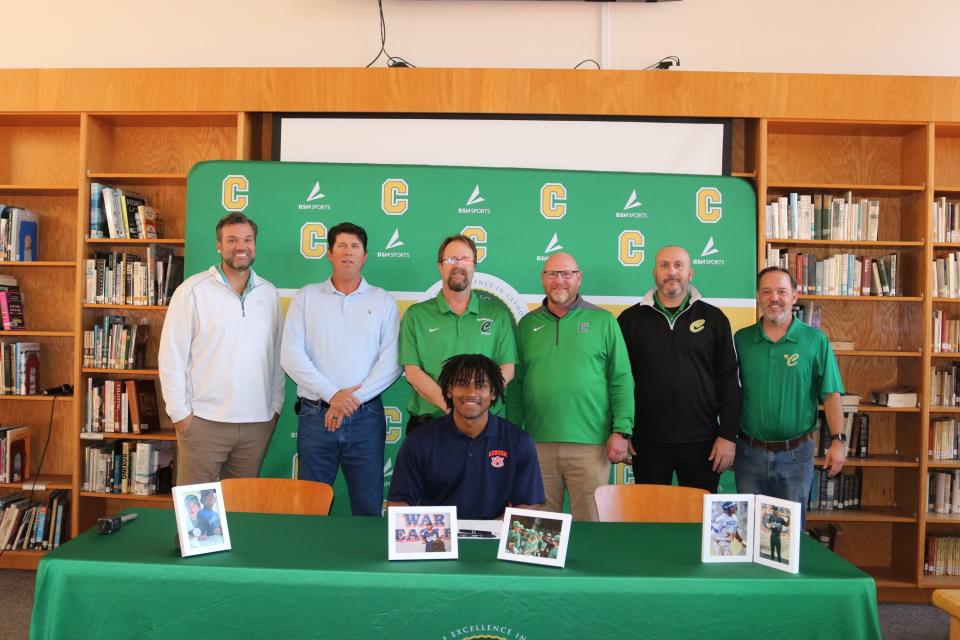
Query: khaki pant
208,450
580,468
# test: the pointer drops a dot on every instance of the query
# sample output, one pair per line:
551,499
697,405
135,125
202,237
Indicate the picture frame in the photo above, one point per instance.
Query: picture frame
201,519
728,532
777,533
531,536
422,533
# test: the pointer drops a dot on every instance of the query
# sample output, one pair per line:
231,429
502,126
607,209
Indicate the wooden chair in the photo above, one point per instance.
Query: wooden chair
949,601
277,495
649,503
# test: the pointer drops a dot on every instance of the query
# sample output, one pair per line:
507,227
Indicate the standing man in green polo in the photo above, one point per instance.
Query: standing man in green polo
786,369
457,321
574,390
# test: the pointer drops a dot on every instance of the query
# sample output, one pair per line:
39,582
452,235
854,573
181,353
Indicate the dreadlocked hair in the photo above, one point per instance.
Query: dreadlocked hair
470,368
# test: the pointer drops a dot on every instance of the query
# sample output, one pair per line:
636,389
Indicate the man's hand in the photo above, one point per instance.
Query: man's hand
181,426
617,447
342,405
836,456
722,454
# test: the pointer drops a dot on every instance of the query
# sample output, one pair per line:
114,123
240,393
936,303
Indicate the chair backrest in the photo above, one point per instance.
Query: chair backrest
649,503
277,495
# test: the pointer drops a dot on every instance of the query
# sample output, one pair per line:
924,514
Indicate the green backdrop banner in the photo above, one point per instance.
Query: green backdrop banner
613,223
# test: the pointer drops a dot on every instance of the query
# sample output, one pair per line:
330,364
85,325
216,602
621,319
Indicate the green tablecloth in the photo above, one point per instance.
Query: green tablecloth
313,577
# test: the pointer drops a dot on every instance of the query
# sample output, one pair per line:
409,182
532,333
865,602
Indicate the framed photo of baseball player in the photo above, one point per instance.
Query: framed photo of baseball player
201,519
422,533
727,527
536,537
777,533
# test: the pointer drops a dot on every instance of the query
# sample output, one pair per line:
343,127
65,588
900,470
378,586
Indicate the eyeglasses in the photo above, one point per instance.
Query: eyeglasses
565,275
452,260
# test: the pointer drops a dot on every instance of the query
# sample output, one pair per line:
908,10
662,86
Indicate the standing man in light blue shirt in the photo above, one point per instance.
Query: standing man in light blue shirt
340,347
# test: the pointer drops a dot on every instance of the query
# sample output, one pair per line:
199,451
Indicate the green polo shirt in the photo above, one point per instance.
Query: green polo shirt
784,381
431,332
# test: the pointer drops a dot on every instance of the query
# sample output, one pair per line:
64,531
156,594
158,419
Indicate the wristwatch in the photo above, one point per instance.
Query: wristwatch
842,437
625,436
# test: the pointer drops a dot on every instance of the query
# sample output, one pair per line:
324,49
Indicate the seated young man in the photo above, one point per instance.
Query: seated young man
469,458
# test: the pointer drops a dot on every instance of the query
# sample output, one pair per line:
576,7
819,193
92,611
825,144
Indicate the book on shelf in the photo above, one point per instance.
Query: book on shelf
797,216
943,491
14,454
11,304
19,368
941,554
899,397
944,391
841,274
131,467
19,234
808,312
946,220
842,492
123,278
121,406
114,343
37,524
121,214
943,438
856,427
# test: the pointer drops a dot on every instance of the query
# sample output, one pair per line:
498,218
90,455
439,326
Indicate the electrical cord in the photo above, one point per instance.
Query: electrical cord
392,61
664,63
583,62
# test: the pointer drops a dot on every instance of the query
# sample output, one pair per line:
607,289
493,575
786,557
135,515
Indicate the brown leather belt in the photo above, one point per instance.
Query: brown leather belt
775,445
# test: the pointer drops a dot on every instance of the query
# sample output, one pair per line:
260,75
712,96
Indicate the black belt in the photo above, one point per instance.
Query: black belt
774,445
323,404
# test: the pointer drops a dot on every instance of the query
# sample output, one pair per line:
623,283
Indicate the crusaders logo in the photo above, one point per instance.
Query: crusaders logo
497,458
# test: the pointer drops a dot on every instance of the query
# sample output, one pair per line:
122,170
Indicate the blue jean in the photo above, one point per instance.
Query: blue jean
780,474
357,446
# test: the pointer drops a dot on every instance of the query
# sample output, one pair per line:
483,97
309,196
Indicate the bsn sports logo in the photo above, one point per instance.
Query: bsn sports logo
393,243
553,245
474,199
311,204
313,240
710,249
632,203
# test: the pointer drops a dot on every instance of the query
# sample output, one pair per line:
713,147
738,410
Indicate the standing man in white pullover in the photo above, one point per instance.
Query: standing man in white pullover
340,347
220,362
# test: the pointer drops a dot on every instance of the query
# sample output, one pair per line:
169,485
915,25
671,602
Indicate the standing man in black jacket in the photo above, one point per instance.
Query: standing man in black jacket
687,390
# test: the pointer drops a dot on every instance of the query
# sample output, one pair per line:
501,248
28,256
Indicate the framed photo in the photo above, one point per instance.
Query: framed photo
201,519
422,533
777,533
537,537
728,527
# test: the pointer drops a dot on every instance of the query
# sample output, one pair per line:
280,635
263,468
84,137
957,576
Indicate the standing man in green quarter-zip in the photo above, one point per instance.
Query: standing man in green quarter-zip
685,374
219,361
573,392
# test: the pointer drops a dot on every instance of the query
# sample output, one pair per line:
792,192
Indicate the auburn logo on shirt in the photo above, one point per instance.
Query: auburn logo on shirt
497,458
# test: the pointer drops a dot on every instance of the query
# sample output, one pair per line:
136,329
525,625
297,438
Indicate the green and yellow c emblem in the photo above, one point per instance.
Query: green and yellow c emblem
791,358
697,326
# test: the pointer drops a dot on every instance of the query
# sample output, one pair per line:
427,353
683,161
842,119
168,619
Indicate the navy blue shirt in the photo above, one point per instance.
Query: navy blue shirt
482,476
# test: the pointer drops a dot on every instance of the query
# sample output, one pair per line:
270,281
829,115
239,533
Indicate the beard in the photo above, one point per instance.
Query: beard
458,285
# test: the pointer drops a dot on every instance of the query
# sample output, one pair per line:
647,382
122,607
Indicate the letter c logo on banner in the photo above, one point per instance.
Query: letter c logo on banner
479,237
708,205
394,197
631,248
553,201
394,423
234,195
313,240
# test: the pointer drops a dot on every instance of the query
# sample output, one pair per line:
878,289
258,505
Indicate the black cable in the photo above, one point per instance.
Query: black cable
664,63
392,61
582,62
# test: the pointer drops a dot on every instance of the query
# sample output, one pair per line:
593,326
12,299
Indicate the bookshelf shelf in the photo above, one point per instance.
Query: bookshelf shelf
898,244
947,191
37,334
38,264
858,189
943,518
865,298
44,482
878,354
38,189
943,464
942,409
877,461
139,178
165,497
126,372
130,307
939,582
164,434
946,354
133,242
866,514
36,398
888,577
749,175
937,299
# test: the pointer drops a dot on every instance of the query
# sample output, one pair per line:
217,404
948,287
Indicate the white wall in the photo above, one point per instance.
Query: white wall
899,37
